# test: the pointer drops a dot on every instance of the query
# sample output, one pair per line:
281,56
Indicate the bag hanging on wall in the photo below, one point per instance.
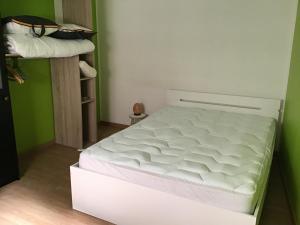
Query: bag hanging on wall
37,26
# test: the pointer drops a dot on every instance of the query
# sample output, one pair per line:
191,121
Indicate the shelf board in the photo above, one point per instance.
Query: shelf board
13,55
87,100
16,55
86,78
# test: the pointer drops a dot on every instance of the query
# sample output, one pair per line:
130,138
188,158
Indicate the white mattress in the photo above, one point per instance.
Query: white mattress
218,158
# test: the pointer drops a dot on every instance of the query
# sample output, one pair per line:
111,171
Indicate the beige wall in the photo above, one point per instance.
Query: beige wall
237,47
58,11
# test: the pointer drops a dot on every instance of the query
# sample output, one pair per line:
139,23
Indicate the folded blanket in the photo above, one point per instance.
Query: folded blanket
87,70
46,47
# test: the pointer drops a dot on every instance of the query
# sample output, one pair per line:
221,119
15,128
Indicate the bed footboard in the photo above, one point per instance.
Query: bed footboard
124,203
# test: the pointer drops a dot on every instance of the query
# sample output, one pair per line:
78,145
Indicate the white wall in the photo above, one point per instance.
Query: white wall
237,47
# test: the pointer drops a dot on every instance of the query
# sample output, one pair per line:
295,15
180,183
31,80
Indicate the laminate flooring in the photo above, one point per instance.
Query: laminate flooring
43,195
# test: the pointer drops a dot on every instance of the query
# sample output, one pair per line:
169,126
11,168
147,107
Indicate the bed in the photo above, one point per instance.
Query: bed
204,159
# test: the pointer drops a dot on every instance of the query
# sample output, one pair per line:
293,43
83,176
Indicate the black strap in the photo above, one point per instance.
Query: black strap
43,31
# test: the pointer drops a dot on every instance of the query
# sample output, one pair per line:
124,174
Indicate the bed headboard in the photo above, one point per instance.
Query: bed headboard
230,103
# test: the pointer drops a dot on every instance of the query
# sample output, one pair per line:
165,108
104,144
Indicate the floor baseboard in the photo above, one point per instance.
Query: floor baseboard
286,189
24,156
38,147
117,125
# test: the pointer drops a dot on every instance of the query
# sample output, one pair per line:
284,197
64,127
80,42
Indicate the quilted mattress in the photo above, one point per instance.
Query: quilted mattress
218,158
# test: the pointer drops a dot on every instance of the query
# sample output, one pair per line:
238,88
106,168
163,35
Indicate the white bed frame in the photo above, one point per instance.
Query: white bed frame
125,203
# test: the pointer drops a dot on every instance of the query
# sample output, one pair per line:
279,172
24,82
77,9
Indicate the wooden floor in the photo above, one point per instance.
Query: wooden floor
42,196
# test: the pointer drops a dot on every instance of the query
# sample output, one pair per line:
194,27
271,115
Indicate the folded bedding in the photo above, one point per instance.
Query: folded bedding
87,70
28,46
25,24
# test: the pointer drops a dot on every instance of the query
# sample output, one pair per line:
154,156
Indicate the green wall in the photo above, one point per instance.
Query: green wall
32,102
290,153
